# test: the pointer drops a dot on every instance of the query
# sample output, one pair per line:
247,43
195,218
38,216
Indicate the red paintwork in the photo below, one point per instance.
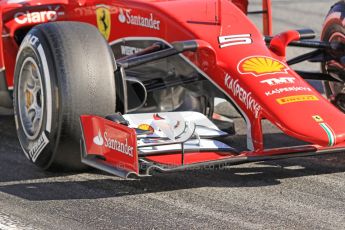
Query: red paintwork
189,158
242,4
267,17
206,21
279,42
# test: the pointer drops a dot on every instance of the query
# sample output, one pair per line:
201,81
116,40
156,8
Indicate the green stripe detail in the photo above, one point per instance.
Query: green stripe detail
330,134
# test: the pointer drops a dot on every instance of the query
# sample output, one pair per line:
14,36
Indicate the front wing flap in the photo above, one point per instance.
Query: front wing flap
107,145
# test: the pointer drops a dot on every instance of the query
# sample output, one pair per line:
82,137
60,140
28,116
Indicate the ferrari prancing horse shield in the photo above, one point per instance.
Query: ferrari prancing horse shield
104,20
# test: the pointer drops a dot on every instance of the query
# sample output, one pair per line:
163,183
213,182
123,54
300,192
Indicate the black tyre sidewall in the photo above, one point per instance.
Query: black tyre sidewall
29,49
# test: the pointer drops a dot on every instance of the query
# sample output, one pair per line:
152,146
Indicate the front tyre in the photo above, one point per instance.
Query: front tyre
333,31
63,70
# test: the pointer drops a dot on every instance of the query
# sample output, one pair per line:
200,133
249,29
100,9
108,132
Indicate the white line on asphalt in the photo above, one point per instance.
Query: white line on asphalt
8,223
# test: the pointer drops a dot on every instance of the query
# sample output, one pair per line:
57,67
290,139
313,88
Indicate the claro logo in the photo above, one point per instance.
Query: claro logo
49,15
113,144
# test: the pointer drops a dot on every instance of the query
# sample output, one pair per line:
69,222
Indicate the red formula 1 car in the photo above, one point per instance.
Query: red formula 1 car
133,83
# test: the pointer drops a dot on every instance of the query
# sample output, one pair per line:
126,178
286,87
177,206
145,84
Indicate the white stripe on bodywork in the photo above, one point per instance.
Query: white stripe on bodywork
330,134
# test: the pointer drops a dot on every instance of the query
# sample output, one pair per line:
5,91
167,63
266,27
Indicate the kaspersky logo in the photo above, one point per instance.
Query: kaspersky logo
126,16
113,144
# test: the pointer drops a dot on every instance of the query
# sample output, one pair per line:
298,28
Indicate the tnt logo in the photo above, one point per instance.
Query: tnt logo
279,81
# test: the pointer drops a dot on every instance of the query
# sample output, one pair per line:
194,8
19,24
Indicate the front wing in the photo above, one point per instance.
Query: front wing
169,142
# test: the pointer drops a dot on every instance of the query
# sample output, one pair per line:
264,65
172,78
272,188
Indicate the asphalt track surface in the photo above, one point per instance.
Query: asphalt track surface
307,193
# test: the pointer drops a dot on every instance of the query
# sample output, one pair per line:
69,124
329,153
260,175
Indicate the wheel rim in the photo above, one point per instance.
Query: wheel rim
30,98
336,37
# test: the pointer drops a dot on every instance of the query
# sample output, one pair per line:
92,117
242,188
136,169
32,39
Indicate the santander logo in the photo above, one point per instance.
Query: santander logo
122,17
98,140
127,16
113,144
